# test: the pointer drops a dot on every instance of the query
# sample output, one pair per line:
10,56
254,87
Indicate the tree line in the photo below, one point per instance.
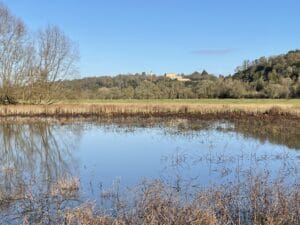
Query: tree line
282,81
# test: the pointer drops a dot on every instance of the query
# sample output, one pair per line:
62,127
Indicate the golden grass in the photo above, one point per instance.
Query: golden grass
152,109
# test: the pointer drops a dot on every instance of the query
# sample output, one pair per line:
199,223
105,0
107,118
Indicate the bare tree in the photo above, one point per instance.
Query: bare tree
32,67
15,53
56,57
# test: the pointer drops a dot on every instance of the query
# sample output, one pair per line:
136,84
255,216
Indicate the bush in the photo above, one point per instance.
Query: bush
230,89
277,91
7,100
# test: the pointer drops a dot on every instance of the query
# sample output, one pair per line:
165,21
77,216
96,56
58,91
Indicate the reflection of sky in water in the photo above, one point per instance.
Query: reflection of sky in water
193,160
186,155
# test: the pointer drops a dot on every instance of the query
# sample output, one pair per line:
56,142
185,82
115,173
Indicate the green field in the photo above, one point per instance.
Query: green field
294,102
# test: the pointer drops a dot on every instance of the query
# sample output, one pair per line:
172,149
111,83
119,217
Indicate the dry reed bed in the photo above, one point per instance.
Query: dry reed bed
150,110
256,203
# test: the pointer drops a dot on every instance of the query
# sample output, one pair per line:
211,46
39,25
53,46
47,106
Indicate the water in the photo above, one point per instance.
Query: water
198,158
186,155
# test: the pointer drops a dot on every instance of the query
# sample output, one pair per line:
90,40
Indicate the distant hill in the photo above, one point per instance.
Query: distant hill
271,69
272,77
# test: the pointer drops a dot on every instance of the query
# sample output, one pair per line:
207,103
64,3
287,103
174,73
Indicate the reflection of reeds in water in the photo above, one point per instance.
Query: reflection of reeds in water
66,187
255,202
249,199
150,109
255,199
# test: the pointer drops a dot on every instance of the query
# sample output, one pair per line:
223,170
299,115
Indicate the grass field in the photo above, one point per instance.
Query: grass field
158,108
291,102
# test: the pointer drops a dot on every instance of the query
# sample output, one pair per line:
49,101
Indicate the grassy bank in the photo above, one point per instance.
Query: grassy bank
159,108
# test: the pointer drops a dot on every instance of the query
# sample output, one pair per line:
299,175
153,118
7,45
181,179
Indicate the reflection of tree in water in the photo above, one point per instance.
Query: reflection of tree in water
283,132
34,156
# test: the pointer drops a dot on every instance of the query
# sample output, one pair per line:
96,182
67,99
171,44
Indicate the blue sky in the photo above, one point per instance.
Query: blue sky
128,36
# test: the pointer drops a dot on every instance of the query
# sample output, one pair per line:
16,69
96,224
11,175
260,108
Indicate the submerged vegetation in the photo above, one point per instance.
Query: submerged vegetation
256,201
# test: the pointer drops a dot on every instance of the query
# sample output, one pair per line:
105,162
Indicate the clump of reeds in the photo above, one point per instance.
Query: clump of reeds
255,202
66,187
85,214
154,205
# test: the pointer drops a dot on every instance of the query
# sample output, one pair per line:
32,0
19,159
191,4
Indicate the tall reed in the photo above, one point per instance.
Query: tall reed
149,110
256,202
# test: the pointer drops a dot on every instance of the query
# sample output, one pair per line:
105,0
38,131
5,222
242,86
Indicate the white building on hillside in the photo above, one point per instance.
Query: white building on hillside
174,76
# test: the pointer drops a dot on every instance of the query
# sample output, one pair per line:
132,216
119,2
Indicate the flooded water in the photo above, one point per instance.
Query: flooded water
186,155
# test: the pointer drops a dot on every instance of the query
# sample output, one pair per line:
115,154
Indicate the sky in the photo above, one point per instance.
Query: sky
164,36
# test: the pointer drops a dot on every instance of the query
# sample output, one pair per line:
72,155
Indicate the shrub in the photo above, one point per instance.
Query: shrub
7,100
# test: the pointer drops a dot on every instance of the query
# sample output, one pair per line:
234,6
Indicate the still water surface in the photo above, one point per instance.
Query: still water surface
197,158
184,154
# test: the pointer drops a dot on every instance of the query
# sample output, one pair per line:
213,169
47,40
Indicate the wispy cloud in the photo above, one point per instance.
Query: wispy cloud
223,51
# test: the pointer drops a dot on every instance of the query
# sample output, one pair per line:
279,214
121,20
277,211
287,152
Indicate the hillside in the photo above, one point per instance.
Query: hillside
137,86
271,69
272,77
